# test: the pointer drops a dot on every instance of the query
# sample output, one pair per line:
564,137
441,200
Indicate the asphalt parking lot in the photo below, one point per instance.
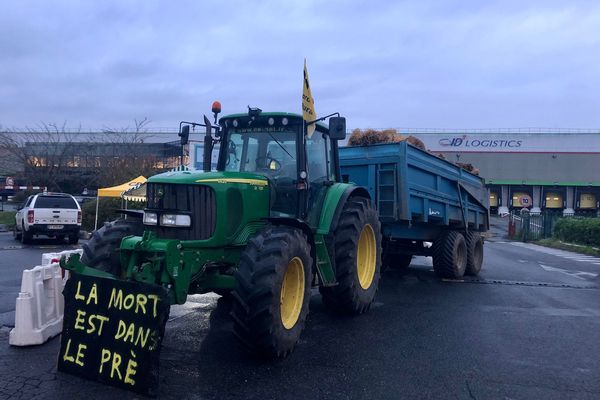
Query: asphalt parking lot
527,328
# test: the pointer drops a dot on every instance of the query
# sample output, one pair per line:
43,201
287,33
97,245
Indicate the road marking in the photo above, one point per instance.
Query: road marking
559,253
12,247
575,274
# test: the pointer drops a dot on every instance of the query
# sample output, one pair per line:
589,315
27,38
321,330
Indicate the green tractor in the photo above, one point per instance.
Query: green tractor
273,221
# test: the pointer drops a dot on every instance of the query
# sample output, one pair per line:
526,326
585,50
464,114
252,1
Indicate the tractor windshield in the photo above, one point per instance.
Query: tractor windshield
270,151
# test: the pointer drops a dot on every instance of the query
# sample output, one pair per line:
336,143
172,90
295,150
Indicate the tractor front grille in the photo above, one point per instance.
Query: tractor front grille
197,200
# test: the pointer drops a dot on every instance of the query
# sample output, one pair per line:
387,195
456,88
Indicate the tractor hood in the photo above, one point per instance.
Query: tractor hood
224,207
210,178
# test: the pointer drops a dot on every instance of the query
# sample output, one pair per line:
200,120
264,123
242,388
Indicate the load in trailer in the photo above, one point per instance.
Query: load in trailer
422,198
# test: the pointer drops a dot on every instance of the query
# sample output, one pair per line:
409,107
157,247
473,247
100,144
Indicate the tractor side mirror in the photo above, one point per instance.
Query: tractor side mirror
184,135
337,128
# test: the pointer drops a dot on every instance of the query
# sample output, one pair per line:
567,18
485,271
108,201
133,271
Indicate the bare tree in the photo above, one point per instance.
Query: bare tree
70,160
126,155
39,155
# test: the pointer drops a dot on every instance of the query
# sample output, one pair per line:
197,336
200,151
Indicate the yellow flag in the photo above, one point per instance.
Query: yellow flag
308,104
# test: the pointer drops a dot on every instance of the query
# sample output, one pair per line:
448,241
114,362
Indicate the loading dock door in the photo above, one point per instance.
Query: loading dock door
521,199
554,200
493,199
587,200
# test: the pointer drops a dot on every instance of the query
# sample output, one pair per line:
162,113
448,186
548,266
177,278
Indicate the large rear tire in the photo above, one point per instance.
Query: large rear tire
357,241
474,253
450,255
270,301
101,251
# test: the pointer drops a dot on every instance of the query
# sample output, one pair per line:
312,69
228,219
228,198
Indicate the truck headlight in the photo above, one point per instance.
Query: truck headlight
150,218
175,220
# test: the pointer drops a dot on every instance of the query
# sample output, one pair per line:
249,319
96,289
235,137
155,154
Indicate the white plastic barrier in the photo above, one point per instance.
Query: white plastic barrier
40,304
52,258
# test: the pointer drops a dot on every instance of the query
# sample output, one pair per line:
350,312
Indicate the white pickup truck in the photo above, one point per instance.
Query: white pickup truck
55,215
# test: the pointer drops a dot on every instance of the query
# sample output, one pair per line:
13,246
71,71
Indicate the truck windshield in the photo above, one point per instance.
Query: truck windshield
263,150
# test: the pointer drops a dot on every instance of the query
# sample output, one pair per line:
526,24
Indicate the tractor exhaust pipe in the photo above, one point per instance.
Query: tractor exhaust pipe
208,146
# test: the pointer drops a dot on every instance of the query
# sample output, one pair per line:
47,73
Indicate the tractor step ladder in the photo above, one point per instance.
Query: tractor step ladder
324,267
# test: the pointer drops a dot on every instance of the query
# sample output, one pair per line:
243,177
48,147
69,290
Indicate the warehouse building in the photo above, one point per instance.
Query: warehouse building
540,171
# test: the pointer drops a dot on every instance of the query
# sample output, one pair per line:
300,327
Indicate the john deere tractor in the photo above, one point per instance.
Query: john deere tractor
271,222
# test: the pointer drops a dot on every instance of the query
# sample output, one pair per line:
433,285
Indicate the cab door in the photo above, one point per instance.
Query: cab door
320,174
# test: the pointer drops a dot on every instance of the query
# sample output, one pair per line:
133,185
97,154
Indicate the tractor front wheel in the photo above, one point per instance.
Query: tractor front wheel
101,251
270,301
357,258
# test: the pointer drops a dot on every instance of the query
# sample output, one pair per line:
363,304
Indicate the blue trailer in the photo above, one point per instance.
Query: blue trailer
422,198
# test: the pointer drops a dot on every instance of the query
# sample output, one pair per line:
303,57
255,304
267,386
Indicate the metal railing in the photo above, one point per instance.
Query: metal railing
525,226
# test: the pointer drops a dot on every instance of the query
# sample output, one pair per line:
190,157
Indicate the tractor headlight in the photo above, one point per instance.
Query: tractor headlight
175,220
150,218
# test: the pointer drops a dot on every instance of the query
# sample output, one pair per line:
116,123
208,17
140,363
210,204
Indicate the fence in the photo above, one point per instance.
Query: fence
529,227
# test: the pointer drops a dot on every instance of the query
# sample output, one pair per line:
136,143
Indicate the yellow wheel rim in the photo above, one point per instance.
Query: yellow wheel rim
366,257
292,293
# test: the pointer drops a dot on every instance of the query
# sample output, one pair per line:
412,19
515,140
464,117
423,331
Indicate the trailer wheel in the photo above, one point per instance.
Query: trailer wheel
100,252
450,255
270,301
357,241
474,253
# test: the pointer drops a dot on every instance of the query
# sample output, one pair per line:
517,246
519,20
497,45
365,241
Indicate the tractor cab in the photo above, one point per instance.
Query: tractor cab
298,167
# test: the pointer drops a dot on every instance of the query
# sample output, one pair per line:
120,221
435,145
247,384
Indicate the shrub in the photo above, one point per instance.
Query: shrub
585,231
7,218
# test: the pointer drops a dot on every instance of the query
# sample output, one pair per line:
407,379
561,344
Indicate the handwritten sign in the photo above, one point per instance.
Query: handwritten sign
112,332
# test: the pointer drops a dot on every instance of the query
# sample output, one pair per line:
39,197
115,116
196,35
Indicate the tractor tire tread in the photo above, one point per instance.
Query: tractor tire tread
256,319
101,251
347,296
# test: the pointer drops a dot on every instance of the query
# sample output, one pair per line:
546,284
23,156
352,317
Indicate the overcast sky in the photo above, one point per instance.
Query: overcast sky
419,64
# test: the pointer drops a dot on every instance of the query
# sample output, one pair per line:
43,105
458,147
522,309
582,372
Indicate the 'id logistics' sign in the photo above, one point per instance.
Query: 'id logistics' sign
512,143
112,331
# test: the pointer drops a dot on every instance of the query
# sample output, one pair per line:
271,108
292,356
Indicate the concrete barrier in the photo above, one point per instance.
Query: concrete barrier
40,304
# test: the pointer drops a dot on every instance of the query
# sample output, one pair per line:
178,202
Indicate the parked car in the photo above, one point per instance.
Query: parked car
55,215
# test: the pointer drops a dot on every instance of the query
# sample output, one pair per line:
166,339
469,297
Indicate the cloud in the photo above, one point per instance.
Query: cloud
382,64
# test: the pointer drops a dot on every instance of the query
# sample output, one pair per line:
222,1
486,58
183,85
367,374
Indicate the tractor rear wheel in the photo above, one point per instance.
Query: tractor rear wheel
474,253
357,258
270,301
450,255
101,251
